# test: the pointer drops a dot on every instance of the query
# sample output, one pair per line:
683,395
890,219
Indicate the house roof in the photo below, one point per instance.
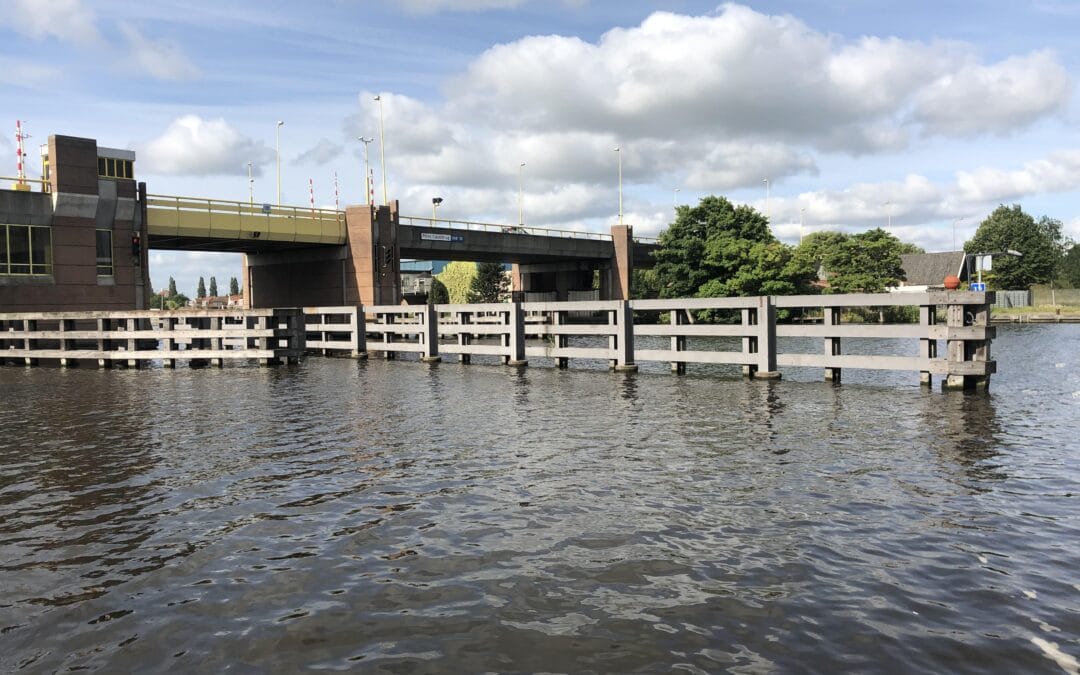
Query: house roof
930,269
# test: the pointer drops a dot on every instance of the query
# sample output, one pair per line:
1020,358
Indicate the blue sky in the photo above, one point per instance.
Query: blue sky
919,116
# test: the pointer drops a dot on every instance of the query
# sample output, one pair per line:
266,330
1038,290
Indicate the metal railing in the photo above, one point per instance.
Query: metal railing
496,228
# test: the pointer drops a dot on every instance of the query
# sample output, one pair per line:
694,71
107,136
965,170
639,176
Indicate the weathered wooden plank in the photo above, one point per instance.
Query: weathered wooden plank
474,328
492,350
394,346
571,352
694,356
693,303
695,330
852,330
598,329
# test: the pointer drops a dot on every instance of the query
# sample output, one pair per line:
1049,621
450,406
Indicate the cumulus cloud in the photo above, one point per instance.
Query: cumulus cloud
65,20
196,147
163,59
322,152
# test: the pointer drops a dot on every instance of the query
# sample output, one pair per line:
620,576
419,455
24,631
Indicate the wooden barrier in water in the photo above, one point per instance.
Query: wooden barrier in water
515,331
201,337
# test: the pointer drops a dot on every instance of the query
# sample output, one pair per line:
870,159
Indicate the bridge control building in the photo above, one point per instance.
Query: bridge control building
78,240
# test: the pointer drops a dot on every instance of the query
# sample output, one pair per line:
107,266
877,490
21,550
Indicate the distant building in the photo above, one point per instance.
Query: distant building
926,270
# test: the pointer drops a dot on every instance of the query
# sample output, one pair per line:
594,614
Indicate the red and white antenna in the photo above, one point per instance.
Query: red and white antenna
337,206
311,189
19,153
371,186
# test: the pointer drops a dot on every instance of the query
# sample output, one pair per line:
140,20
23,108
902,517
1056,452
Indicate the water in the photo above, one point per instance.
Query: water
395,517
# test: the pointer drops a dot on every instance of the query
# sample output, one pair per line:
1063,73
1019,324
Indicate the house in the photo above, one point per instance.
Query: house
926,270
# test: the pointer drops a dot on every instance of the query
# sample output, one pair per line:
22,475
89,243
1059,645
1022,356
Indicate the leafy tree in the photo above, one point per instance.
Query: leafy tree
488,284
213,287
172,287
1070,267
457,277
716,249
1041,243
644,284
437,294
201,291
176,301
234,286
868,262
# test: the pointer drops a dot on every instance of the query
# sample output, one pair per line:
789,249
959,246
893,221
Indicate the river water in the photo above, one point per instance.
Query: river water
389,516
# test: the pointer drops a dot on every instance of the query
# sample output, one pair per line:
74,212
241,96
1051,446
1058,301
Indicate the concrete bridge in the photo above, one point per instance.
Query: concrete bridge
80,242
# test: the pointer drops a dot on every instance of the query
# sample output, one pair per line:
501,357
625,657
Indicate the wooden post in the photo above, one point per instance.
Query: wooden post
430,335
359,332
749,340
831,317
387,320
168,342
463,338
955,349
558,318
766,340
515,338
65,326
678,342
215,340
624,338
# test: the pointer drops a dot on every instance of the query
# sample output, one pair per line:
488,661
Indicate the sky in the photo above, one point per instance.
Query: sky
919,117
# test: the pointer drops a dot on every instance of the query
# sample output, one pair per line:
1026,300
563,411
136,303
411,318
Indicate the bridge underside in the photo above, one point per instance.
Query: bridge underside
254,246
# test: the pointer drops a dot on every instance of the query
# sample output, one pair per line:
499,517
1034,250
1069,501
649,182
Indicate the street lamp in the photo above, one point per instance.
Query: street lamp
768,209
619,153
435,202
802,216
521,198
277,152
888,214
980,260
251,187
675,198
367,170
382,151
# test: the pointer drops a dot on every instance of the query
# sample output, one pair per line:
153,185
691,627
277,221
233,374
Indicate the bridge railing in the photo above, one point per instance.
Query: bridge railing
173,216
500,229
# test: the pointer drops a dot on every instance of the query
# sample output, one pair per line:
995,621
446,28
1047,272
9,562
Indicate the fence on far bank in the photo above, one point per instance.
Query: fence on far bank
513,332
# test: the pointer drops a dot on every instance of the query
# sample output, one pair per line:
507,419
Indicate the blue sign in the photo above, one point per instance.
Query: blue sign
978,287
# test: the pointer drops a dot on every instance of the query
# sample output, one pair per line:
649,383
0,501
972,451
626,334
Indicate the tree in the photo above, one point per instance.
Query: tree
201,291
1070,266
457,277
172,287
488,284
437,294
234,286
176,301
213,287
716,249
1041,243
868,262
644,284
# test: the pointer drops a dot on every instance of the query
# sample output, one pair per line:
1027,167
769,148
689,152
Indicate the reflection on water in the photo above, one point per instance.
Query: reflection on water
394,516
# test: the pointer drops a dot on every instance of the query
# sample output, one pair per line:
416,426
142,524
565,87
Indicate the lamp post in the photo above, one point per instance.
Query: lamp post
367,170
251,187
277,153
619,153
675,198
802,216
888,214
768,209
521,198
954,223
382,150
435,201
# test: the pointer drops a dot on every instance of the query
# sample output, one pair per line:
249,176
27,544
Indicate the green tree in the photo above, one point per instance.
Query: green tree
716,249
437,294
213,287
868,262
488,284
176,301
172,287
644,284
234,286
1041,243
457,277
1070,267
201,291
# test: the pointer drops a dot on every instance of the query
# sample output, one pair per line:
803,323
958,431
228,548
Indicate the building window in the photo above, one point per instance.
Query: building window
115,168
25,250
104,253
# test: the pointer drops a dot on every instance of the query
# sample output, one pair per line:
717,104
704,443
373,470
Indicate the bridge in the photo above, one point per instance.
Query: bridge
80,242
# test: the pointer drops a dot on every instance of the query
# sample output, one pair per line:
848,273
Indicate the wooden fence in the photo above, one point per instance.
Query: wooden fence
515,331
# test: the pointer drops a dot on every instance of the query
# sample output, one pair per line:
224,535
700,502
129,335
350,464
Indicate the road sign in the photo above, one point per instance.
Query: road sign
978,287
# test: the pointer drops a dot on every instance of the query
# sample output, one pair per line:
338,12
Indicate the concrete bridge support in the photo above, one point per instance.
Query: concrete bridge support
365,270
615,274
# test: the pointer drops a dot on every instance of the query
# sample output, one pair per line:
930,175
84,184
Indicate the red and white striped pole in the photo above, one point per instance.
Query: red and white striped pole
311,189
19,154
371,186
337,204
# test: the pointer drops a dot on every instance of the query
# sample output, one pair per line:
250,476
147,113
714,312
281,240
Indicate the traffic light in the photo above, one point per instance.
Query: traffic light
136,245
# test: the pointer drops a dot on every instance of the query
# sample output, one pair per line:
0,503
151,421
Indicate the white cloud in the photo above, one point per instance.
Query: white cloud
162,59
26,74
65,20
321,153
997,98
197,147
432,6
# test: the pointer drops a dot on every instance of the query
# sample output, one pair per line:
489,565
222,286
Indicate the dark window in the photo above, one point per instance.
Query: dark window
40,250
19,249
101,166
104,253
3,250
